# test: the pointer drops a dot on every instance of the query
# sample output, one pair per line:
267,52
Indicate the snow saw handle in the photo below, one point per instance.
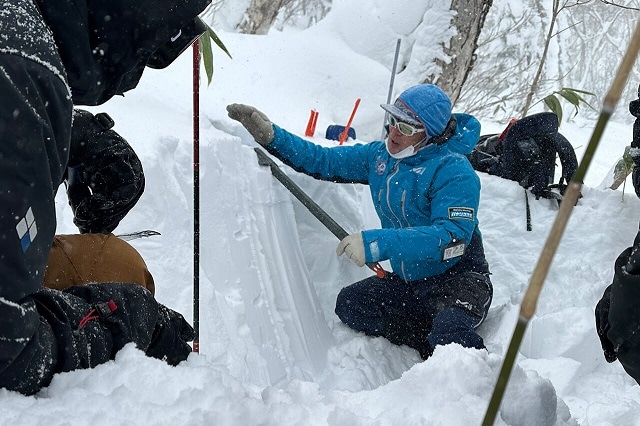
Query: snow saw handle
312,206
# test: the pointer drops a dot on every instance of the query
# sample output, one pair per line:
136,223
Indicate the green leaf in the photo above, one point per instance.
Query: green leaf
207,55
628,159
554,105
218,42
624,166
572,97
574,94
206,52
580,91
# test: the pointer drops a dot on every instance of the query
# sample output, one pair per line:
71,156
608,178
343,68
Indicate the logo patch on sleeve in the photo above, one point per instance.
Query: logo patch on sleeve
461,213
27,229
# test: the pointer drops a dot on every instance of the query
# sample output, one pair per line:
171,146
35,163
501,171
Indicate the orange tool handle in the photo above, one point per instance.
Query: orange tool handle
343,136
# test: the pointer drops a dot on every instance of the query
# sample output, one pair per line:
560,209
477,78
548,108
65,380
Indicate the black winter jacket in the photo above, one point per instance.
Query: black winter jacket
618,318
93,49
105,45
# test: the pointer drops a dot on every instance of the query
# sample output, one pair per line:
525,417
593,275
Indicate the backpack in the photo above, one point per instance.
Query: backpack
526,152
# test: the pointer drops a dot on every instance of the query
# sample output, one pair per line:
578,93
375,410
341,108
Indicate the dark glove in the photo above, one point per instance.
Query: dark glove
539,185
104,176
603,327
155,329
256,122
170,337
128,311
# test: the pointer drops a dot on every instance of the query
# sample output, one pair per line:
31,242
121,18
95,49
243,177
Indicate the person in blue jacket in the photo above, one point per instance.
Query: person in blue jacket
426,195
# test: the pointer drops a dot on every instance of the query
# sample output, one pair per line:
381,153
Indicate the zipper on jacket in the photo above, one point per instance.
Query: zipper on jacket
393,173
402,207
386,216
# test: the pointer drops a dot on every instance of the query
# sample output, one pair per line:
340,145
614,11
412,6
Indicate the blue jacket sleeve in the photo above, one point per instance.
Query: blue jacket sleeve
344,164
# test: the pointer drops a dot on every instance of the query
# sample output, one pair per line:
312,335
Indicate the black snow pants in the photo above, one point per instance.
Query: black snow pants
420,314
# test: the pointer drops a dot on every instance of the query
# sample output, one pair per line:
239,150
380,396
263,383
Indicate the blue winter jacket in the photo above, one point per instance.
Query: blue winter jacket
424,202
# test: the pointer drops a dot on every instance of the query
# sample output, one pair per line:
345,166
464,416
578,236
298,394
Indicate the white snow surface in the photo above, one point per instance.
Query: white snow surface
272,351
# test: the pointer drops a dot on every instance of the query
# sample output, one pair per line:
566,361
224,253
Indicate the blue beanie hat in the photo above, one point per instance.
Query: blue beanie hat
422,105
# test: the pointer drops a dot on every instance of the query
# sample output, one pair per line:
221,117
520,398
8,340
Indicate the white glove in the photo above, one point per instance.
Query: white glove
353,246
255,121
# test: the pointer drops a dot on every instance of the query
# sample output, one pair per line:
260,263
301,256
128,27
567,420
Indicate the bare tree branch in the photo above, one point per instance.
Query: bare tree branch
619,5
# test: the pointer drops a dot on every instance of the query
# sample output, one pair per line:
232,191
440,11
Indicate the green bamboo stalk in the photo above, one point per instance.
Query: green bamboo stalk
530,300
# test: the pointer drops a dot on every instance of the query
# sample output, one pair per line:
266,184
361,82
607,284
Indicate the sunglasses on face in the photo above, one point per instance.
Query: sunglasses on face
404,128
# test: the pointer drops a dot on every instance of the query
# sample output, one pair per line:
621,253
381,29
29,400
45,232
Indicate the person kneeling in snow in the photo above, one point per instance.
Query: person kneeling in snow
617,312
426,194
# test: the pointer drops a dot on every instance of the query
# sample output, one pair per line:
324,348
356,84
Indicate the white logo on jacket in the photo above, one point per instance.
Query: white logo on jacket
27,230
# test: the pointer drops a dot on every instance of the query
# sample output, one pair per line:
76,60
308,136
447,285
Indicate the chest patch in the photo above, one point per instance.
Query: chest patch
461,213
381,166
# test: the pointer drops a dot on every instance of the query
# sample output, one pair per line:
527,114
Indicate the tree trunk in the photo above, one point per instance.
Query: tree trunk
468,23
260,16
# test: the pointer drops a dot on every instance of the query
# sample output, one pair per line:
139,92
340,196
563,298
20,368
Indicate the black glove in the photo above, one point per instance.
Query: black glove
104,176
170,337
603,327
155,329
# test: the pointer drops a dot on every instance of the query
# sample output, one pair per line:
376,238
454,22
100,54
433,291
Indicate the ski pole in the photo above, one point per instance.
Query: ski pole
312,206
196,196
530,300
393,77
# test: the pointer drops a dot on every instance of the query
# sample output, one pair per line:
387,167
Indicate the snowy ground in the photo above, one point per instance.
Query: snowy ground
272,350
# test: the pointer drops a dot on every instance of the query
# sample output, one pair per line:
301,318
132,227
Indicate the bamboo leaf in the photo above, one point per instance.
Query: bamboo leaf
554,105
580,91
628,159
218,42
622,168
206,54
572,97
574,92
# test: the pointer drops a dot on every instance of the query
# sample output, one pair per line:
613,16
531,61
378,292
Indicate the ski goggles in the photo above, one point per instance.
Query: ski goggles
404,128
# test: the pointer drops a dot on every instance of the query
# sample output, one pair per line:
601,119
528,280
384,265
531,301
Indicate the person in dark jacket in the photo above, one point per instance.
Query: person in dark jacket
54,55
618,311
426,195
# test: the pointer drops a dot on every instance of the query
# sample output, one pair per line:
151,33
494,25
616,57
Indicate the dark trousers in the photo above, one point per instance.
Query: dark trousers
420,314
